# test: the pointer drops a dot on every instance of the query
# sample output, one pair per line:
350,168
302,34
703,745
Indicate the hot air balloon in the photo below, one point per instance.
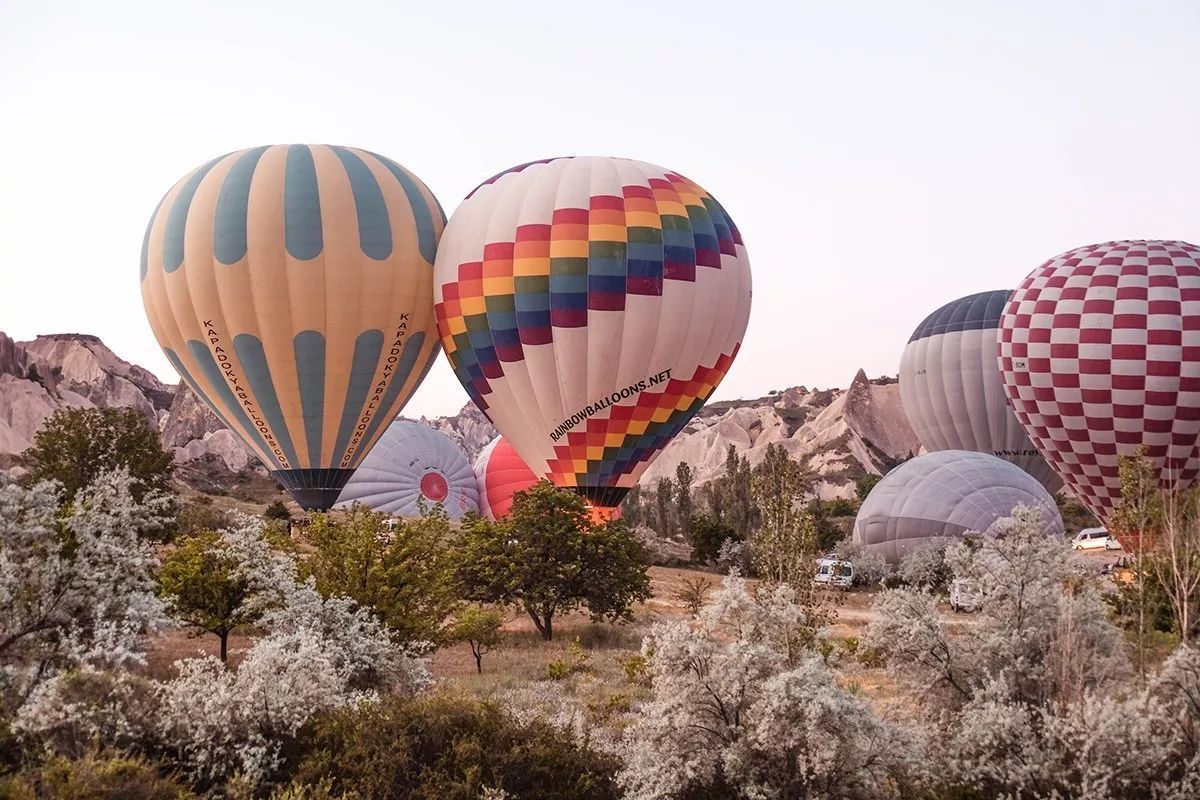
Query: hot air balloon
413,465
291,286
952,391
1100,353
943,495
500,473
590,306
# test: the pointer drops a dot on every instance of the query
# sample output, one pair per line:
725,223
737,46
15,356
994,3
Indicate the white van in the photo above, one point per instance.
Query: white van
834,571
1094,539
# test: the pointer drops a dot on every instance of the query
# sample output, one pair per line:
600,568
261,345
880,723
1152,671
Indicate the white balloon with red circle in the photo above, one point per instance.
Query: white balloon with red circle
1099,349
412,466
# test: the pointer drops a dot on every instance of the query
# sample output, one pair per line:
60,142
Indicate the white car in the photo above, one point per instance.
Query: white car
834,571
965,595
1094,539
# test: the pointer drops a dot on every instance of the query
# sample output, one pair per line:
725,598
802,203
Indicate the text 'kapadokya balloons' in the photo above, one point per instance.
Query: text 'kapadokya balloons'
292,288
411,466
590,306
952,391
500,473
943,495
1100,352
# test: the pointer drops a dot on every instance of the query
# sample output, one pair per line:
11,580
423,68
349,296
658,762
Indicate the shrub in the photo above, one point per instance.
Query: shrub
95,776
573,660
444,747
279,511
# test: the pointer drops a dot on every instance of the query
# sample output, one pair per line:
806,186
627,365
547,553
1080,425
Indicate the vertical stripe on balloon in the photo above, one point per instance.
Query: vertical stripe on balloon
303,235
146,238
229,220
374,228
423,216
177,218
400,375
258,374
367,348
310,374
212,373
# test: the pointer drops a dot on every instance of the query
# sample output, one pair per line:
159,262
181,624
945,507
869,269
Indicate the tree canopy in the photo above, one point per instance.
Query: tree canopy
548,558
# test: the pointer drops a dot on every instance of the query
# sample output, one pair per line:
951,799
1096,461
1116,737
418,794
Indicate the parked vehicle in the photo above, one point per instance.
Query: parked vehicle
965,595
1094,539
834,571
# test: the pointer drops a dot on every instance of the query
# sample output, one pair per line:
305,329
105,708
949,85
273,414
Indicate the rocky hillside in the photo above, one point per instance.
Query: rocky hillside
837,435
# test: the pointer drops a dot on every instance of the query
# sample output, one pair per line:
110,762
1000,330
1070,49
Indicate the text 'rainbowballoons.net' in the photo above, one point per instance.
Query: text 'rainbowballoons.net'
590,306
291,286
952,391
1100,353
410,469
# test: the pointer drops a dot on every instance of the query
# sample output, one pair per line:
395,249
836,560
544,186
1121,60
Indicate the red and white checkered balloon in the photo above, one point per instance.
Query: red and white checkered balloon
1100,352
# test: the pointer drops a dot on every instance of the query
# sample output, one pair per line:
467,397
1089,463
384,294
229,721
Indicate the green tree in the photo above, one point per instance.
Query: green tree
480,628
1137,520
664,492
865,484
683,497
707,535
729,497
783,549
76,445
633,508
205,583
405,574
546,557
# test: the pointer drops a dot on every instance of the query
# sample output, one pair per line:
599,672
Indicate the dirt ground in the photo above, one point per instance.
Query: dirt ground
523,657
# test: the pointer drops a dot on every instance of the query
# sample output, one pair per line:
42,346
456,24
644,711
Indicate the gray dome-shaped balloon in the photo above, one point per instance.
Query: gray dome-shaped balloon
952,390
412,462
944,495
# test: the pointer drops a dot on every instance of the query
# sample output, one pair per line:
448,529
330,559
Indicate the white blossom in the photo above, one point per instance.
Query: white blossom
76,590
319,654
741,706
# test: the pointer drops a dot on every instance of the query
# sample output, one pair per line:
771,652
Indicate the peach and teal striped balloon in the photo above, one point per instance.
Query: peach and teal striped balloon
291,286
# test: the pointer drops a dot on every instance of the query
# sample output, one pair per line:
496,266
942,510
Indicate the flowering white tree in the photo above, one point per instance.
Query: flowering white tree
75,585
1040,634
1098,746
742,709
319,653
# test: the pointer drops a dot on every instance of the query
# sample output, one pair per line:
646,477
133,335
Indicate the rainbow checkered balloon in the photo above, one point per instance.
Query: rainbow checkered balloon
590,306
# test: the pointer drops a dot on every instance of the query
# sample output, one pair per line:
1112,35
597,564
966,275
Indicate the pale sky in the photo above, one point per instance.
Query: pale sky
880,158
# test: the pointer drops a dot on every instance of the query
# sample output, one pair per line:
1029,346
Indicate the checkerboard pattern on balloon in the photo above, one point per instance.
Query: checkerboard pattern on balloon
581,260
1100,352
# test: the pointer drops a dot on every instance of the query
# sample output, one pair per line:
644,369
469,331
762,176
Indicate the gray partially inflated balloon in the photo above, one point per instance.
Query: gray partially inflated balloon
944,495
413,464
951,386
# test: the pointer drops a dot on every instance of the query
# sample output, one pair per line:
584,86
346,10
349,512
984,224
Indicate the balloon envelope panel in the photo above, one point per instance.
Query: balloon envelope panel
590,306
500,473
944,495
1100,354
413,464
291,286
952,390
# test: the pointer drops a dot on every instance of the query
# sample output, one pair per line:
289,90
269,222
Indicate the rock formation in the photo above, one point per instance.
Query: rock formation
836,435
